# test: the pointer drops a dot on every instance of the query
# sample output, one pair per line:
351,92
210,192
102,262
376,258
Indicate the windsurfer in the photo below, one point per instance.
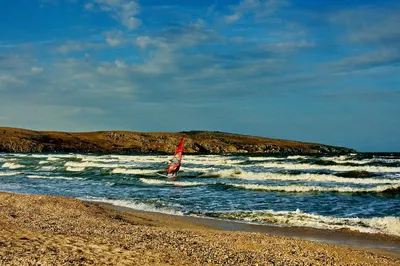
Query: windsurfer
175,171
175,163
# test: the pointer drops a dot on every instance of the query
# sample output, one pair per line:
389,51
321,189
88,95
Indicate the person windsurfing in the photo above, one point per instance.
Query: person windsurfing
175,163
173,173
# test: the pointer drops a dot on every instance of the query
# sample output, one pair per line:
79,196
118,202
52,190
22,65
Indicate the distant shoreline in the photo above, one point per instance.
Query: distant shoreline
128,142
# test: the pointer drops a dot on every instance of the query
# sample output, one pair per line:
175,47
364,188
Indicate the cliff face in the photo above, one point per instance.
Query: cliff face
23,140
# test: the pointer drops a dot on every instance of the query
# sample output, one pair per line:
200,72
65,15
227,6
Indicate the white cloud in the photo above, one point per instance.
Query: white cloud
142,41
37,70
376,58
260,9
289,46
89,6
77,46
114,38
372,25
198,24
120,64
232,18
372,32
124,11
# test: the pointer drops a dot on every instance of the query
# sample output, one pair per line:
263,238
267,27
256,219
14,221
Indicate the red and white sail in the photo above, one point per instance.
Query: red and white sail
177,159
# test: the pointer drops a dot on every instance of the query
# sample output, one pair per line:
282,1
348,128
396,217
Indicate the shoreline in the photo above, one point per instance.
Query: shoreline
382,243
54,230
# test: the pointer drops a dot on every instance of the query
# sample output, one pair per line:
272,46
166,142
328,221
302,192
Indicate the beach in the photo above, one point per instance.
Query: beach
52,230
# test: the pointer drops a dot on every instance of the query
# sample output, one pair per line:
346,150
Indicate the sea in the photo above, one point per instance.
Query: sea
359,191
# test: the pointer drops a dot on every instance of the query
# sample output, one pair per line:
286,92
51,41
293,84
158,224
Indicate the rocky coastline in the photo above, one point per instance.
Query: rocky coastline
203,142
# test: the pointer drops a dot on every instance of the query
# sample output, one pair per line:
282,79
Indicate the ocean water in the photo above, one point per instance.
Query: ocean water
357,191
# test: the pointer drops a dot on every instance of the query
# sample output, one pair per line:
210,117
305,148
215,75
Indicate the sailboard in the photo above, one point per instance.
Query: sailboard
175,162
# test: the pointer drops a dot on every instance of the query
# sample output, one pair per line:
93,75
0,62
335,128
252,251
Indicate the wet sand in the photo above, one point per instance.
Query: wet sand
384,244
49,230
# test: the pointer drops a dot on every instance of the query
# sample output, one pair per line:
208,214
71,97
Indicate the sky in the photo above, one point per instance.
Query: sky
306,70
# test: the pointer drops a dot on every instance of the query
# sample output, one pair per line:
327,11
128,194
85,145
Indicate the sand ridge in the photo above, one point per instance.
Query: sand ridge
50,230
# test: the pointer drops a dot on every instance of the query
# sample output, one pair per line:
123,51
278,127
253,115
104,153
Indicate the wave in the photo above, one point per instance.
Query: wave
133,171
386,225
247,175
344,159
75,169
358,173
12,165
93,165
48,168
171,183
10,173
259,159
123,159
52,177
301,188
138,205
339,168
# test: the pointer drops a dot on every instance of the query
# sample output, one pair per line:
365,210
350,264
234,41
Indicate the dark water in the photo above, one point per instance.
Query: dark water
358,191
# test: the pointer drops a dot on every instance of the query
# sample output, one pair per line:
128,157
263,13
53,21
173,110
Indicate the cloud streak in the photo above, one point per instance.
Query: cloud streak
123,11
258,9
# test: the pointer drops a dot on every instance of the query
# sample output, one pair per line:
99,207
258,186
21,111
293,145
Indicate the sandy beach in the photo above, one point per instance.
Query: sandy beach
49,230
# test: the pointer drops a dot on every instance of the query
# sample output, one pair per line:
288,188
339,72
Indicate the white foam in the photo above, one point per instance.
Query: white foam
173,183
75,169
92,165
133,171
10,173
339,168
48,168
137,206
51,177
266,158
124,158
12,165
248,175
103,164
223,173
212,160
295,157
387,225
301,188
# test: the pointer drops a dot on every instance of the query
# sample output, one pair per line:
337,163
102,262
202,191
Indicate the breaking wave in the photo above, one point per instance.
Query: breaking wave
247,175
52,177
10,173
75,169
93,165
301,188
133,171
12,165
172,183
385,225
138,205
48,168
338,168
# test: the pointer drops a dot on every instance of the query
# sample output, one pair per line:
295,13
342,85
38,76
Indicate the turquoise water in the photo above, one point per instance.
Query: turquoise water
357,191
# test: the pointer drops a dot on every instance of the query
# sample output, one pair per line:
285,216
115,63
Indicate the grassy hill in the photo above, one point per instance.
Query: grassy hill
24,140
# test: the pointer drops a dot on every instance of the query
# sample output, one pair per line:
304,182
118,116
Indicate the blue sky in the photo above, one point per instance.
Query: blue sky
318,71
